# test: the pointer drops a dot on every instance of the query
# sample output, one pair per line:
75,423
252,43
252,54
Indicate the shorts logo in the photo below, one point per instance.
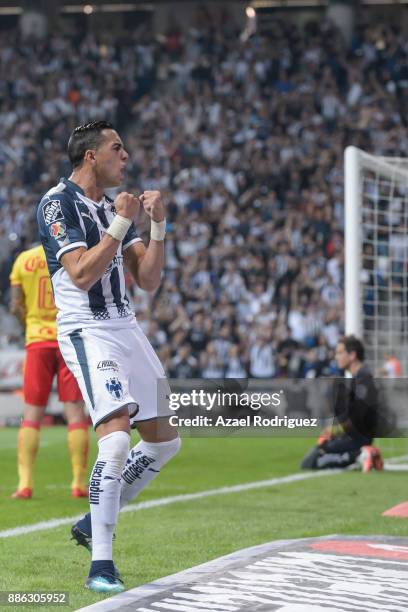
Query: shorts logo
114,386
58,230
108,365
52,212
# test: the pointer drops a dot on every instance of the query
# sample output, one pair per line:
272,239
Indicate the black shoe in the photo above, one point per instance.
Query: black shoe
85,540
81,538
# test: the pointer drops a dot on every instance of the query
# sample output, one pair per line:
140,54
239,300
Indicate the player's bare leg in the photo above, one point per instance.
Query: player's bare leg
78,445
28,444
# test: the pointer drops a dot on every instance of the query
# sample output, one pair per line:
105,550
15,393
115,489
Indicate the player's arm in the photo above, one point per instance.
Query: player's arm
17,303
146,264
86,266
17,298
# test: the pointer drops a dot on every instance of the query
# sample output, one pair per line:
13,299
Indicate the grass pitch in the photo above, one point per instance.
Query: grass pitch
160,541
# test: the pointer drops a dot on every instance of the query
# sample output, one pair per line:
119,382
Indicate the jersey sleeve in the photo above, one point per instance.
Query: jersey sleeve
60,226
130,238
15,274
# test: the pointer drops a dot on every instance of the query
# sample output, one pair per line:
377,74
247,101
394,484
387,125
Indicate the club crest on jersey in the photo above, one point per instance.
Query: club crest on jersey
58,230
114,386
52,212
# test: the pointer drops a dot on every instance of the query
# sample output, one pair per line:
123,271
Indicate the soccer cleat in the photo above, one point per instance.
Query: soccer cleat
26,493
377,459
105,583
367,461
78,492
370,459
81,538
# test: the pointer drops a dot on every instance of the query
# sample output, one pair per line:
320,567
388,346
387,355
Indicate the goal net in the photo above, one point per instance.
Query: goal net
376,255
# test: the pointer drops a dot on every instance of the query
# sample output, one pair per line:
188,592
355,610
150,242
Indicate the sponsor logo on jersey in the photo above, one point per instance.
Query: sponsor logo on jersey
47,331
114,386
107,364
116,261
35,263
52,212
58,230
95,482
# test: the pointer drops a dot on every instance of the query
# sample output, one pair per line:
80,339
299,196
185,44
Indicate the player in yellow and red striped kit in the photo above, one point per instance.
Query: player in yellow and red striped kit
33,304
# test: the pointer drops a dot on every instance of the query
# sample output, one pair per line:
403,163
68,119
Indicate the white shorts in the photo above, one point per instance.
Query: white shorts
115,368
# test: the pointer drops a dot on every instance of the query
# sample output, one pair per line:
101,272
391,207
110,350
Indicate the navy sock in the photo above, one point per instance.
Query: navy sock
101,567
85,524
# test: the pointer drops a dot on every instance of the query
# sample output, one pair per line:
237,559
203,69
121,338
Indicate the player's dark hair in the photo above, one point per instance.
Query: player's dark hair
85,137
353,344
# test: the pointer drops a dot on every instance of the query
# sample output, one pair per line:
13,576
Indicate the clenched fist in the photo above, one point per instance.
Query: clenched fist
153,205
127,205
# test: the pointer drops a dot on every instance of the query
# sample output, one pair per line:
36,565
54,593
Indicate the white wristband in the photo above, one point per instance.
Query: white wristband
119,227
158,230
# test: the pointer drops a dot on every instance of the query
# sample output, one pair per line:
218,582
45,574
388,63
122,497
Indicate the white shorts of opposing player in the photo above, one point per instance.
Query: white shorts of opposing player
115,368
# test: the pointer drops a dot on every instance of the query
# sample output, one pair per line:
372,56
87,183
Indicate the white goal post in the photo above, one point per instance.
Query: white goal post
376,254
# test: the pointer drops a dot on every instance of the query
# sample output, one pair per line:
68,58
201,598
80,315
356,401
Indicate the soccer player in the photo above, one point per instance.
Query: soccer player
33,304
87,238
357,412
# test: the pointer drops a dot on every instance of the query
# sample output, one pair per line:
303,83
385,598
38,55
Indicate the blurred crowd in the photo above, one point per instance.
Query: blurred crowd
245,139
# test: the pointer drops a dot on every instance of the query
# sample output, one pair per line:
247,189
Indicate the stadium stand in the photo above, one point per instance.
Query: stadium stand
245,139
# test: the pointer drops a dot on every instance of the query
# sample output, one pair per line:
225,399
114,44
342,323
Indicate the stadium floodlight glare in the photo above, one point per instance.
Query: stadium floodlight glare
376,254
250,12
88,9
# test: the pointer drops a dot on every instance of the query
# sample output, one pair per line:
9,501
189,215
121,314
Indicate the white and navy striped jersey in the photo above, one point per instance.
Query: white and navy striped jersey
67,219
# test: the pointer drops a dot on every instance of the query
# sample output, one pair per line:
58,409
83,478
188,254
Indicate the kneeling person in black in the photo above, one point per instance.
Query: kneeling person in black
356,410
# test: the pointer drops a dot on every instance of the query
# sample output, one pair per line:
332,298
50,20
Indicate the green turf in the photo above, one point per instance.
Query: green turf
160,541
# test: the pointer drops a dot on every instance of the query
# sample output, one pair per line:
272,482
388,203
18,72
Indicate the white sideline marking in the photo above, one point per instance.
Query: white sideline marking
173,499
398,459
396,467
396,464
